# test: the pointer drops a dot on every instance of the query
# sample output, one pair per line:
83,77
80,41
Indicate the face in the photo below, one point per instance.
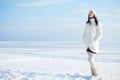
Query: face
91,14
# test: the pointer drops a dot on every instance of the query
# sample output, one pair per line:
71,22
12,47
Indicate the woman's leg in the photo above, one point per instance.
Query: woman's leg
91,58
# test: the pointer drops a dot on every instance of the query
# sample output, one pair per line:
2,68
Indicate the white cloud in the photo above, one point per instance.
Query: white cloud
43,3
110,13
115,14
118,11
68,19
105,14
56,18
79,11
81,8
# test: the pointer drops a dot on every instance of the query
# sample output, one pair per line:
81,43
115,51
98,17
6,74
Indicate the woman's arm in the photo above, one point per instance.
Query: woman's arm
99,33
84,34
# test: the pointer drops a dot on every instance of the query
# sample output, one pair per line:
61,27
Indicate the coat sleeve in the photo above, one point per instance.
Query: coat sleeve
84,34
99,32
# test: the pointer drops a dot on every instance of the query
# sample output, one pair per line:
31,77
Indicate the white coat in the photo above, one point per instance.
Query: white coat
92,35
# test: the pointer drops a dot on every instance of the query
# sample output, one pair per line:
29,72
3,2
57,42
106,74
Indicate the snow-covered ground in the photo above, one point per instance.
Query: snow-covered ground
55,61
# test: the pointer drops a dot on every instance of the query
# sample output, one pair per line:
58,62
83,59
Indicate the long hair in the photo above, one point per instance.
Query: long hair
95,18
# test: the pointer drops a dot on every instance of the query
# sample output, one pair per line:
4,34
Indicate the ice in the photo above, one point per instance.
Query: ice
56,60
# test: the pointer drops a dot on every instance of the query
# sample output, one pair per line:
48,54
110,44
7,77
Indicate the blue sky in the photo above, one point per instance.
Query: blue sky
39,20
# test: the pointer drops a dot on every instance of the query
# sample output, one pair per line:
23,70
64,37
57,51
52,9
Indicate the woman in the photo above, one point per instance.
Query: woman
92,35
